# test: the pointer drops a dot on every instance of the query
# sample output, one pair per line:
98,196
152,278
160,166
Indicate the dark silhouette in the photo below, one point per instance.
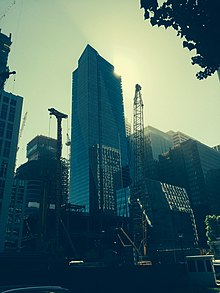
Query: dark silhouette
197,21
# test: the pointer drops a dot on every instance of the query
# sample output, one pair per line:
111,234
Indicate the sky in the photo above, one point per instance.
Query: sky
48,38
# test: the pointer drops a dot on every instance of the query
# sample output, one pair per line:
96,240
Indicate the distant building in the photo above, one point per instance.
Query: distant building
127,127
194,166
178,137
10,116
5,43
41,147
122,198
98,144
217,147
156,143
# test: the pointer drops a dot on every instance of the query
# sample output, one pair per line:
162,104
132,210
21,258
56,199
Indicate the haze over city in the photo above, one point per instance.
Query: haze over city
49,36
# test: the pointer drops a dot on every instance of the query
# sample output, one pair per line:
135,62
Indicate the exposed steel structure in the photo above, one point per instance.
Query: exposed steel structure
139,195
59,116
138,136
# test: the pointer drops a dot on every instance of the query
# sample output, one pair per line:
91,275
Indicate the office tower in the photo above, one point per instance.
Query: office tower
10,115
98,144
178,137
194,166
5,43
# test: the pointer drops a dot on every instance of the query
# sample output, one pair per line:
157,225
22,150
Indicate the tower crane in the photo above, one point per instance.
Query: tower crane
59,116
138,189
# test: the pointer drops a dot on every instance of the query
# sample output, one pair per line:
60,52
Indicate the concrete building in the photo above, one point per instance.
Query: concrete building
98,144
10,116
178,137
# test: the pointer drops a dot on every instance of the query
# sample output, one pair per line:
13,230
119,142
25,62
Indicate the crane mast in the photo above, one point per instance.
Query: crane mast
59,116
138,136
138,188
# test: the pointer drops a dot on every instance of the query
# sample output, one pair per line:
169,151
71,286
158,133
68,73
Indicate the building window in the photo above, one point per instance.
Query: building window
2,128
3,169
11,114
2,187
9,131
4,111
6,100
7,149
13,102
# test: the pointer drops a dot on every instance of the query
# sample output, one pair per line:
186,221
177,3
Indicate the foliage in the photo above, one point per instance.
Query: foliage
212,227
197,21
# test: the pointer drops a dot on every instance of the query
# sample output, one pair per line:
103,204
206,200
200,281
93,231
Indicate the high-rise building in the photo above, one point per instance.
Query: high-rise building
194,166
156,142
127,127
5,43
178,137
171,215
16,216
40,178
98,144
10,116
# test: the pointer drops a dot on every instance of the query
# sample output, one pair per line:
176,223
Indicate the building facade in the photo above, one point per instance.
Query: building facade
98,144
41,147
5,43
16,216
178,137
194,166
171,215
10,116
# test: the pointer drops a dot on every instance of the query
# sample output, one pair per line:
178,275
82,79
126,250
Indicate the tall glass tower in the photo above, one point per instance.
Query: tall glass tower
98,142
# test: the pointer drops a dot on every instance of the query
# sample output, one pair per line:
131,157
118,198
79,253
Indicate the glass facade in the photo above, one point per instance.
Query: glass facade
98,144
10,115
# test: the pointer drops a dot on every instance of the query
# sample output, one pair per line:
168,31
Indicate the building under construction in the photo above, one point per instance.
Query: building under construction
39,177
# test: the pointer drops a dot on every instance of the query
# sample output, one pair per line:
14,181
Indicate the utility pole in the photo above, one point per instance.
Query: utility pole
59,116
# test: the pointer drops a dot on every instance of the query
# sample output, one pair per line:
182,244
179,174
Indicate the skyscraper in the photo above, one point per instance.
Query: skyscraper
10,116
98,148
194,166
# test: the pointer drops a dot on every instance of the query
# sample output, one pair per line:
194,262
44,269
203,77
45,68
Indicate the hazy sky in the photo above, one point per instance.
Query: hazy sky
49,36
